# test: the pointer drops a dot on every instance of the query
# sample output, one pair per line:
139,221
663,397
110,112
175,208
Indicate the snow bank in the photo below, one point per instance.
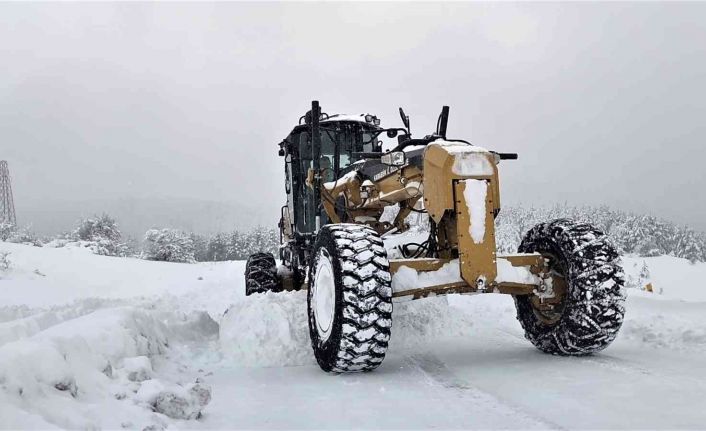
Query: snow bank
75,359
28,322
175,401
138,369
662,323
46,277
418,324
74,350
674,277
89,341
12,418
185,326
269,329
102,355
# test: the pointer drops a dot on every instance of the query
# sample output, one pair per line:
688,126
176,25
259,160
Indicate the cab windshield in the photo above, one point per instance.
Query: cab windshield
340,141
351,138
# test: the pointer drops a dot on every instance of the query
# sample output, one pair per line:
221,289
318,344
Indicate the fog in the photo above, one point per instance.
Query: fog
107,106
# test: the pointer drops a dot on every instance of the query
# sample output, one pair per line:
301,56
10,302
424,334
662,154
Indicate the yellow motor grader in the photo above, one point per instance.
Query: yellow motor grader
566,278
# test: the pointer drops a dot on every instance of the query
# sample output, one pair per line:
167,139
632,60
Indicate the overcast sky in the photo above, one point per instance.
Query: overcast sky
604,102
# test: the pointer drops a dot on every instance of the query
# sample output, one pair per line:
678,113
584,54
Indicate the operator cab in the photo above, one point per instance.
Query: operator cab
345,139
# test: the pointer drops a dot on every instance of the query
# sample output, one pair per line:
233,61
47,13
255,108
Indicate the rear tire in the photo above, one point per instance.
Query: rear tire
350,299
593,307
261,274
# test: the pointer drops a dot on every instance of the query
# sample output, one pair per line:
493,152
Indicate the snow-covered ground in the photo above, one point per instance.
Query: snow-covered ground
89,341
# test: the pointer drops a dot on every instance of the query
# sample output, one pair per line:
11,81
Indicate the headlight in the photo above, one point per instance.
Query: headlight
397,158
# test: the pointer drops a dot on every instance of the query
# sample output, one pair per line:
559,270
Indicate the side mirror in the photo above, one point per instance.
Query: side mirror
442,122
405,119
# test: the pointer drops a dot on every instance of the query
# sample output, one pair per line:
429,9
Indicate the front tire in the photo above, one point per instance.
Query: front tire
350,299
593,306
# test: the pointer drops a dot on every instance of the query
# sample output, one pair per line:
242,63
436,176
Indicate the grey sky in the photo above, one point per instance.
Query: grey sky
605,102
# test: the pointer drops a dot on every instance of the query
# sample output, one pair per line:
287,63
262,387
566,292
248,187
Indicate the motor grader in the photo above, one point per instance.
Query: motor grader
566,278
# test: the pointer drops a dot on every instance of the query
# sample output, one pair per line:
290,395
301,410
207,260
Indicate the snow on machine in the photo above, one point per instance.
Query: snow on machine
566,278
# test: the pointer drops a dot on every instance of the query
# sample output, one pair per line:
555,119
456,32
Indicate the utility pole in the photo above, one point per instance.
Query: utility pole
7,206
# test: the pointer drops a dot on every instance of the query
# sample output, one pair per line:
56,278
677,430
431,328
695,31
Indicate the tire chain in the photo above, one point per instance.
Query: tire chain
594,312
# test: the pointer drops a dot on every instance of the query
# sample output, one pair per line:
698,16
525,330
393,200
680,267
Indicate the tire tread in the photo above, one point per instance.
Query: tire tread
367,301
261,274
594,312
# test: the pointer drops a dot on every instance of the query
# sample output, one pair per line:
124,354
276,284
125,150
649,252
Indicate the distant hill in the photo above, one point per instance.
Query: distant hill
136,215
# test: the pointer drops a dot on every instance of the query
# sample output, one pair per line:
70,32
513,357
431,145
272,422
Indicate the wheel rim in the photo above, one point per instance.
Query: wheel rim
550,312
324,296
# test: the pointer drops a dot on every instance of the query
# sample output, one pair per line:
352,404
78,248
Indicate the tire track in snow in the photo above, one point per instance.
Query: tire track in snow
616,364
438,374
600,359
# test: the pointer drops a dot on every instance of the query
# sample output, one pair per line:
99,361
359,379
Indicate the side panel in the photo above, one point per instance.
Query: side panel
475,226
462,180
438,192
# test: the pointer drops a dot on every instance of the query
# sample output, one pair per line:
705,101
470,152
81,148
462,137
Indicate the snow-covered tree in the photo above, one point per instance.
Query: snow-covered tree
103,226
101,235
260,239
693,247
200,247
6,230
237,245
217,248
644,276
168,245
4,260
643,235
25,236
